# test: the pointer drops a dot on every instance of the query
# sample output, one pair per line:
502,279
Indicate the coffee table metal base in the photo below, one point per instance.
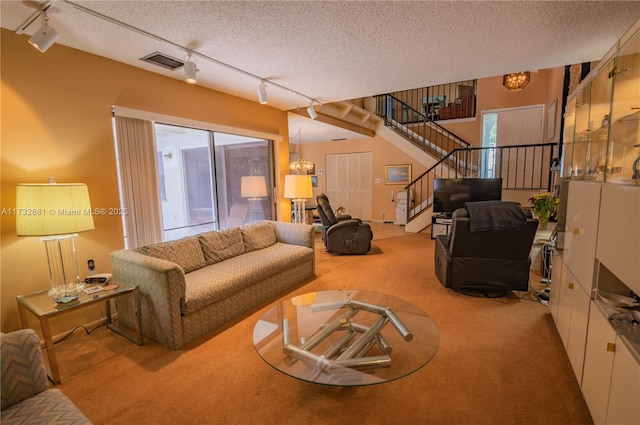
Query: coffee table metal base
342,337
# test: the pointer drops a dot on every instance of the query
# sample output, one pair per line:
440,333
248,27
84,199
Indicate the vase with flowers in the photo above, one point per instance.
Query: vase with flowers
543,205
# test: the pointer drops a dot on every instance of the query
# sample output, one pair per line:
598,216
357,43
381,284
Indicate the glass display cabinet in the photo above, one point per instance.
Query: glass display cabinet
602,121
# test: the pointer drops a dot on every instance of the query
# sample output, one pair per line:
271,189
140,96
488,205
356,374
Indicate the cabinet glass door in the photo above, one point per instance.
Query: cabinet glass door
598,134
569,129
624,148
580,140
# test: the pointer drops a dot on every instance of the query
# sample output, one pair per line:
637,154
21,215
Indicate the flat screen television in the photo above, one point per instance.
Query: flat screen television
451,194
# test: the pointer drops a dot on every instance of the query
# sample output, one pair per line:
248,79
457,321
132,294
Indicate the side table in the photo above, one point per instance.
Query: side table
41,305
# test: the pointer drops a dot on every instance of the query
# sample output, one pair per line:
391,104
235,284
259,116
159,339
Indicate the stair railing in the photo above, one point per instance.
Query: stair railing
417,127
521,167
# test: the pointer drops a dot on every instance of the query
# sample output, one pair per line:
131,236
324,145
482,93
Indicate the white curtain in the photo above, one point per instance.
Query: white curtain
138,181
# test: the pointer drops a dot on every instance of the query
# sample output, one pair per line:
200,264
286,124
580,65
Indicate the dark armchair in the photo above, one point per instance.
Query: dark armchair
343,235
487,249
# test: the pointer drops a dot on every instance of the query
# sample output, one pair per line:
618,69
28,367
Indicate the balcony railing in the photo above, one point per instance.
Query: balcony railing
446,101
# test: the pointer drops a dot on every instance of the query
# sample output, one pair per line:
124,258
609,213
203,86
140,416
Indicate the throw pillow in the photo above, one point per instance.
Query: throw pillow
220,245
185,252
258,236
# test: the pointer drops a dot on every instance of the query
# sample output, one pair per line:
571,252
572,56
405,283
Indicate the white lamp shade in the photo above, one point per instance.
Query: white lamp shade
297,186
253,186
44,209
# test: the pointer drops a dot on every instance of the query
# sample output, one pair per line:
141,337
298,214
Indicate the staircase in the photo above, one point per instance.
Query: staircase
444,154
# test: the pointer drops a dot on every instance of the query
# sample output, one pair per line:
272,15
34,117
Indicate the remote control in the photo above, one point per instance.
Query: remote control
92,289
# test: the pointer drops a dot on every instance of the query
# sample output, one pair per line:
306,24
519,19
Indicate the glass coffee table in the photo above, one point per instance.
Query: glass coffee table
346,337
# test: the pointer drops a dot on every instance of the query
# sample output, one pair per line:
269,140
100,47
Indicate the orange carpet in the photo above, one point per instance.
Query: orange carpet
500,361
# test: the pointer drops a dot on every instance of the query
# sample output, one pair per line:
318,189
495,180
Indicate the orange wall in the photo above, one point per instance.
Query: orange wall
544,86
56,121
382,154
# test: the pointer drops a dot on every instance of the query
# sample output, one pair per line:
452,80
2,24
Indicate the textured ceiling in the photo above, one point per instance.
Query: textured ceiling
337,50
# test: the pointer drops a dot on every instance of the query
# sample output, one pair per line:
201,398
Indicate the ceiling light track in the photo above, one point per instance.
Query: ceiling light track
31,19
186,49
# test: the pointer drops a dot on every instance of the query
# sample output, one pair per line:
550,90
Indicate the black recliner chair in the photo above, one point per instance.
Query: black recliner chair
343,234
488,248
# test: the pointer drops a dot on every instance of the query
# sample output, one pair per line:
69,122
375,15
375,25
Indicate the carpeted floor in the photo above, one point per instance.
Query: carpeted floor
500,361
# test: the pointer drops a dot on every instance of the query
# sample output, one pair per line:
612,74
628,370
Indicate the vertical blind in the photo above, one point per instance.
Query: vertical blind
138,178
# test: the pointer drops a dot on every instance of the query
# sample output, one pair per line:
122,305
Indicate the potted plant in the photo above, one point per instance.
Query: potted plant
543,205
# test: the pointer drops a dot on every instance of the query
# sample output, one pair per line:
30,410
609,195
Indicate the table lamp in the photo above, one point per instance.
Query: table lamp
57,212
253,187
298,188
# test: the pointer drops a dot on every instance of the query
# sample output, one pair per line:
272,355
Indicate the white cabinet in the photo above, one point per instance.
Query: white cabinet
556,276
582,231
619,233
571,305
598,365
602,233
624,396
611,382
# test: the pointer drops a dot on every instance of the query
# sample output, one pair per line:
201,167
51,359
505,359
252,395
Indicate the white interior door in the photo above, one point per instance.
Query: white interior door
517,127
349,183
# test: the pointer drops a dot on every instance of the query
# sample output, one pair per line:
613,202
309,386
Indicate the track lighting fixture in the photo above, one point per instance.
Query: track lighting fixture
312,112
45,36
190,70
262,93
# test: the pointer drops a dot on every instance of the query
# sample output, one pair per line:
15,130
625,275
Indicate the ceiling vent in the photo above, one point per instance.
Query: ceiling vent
163,60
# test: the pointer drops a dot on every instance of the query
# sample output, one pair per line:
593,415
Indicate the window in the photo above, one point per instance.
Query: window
200,179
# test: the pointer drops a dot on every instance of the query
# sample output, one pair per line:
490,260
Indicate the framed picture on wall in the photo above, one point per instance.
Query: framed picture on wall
397,174
314,181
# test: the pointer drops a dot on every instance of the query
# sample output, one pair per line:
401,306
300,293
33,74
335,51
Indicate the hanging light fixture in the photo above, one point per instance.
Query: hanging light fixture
190,70
262,93
300,165
516,81
45,36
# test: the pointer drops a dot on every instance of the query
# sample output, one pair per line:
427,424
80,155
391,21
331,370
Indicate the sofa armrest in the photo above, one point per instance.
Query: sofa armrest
162,288
294,233
23,370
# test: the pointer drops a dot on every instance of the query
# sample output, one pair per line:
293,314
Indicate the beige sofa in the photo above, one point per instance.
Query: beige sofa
192,285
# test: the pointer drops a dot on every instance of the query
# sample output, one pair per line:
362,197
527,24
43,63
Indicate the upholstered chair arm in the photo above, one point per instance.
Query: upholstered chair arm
343,225
23,371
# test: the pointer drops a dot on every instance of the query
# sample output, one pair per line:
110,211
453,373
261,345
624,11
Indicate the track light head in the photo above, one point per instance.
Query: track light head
312,112
262,93
190,70
45,36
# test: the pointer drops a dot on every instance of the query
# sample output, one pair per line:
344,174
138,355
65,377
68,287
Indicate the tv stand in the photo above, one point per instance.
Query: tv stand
440,223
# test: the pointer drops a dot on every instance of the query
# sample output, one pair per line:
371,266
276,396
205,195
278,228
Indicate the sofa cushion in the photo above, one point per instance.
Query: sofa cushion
185,252
220,245
219,281
258,236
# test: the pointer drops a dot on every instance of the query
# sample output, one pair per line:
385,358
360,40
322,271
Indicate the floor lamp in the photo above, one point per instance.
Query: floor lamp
57,212
298,188
253,187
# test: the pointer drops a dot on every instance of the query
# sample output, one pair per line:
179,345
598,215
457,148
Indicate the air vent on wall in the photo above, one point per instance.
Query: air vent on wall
163,60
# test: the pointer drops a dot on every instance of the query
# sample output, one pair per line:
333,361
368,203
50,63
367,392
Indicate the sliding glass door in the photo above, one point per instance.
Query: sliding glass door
203,182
